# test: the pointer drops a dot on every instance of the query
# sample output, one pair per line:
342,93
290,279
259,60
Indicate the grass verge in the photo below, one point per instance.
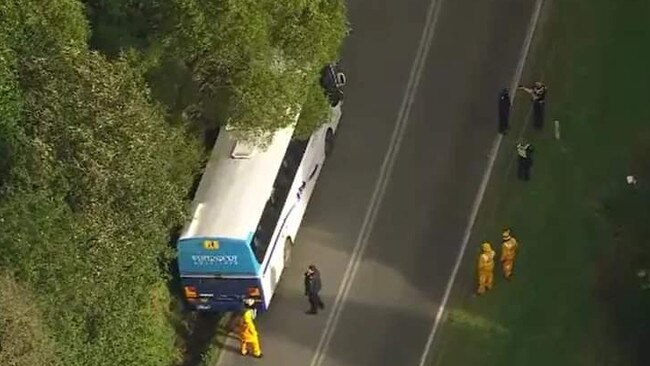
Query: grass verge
577,297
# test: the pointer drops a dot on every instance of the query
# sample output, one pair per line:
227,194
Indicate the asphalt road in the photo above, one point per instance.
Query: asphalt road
421,220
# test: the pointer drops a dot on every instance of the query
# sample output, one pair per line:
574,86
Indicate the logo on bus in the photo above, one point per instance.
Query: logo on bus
211,244
207,260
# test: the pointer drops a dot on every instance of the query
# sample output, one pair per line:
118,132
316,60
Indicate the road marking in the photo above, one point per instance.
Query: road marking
381,183
557,129
481,192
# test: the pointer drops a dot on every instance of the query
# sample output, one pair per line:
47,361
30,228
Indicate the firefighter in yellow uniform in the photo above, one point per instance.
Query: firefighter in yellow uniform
508,252
485,268
248,332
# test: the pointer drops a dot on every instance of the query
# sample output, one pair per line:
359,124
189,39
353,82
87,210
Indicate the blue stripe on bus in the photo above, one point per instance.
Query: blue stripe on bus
216,255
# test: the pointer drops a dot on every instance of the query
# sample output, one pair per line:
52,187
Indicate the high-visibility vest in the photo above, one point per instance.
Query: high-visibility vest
486,261
522,150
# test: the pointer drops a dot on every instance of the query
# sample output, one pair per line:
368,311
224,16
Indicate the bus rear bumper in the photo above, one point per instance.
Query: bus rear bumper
219,306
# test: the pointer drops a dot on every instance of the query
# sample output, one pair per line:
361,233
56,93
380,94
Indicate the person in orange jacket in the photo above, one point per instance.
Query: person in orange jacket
508,253
248,335
485,268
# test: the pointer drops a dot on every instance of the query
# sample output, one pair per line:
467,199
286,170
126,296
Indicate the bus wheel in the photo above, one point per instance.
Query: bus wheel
288,246
329,141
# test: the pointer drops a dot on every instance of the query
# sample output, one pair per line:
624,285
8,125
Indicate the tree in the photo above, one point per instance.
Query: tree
10,106
90,210
263,56
309,32
36,27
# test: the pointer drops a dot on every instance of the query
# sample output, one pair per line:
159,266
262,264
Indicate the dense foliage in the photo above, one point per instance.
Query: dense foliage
93,180
95,168
262,56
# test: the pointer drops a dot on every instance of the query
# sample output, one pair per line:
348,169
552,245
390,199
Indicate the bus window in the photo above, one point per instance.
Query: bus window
281,186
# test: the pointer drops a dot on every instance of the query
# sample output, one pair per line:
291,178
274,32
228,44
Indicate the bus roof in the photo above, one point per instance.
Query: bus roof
235,187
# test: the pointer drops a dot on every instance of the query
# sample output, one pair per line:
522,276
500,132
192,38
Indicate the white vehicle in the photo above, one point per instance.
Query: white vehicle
246,214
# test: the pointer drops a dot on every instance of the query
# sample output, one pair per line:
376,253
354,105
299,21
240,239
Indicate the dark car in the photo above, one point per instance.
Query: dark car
332,80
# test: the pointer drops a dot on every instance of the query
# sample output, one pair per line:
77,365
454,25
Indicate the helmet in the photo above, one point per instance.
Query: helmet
506,234
486,247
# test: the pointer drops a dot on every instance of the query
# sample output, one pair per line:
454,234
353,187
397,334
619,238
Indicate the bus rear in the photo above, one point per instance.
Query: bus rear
217,274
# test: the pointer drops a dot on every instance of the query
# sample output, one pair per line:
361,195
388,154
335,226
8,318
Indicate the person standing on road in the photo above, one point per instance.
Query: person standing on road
504,111
524,160
508,253
248,335
485,268
538,94
312,288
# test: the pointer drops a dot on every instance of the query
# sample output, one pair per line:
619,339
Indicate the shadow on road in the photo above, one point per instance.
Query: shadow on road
289,338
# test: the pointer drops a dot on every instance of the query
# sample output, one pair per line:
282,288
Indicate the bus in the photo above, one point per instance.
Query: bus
247,211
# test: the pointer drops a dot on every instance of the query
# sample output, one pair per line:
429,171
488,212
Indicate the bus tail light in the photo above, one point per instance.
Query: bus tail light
253,292
190,292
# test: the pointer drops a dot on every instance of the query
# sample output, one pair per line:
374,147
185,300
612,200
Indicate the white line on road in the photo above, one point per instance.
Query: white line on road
381,183
557,129
481,192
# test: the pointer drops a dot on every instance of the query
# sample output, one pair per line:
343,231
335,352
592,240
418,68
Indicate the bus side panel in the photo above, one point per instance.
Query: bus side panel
335,118
292,211
312,165
271,276
295,206
310,168
223,294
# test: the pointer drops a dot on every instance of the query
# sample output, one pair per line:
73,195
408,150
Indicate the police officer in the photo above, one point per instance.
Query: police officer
524,160
312,288
504,111
538,94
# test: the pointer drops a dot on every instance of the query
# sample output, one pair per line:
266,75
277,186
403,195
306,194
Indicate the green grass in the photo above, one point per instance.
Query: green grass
575,298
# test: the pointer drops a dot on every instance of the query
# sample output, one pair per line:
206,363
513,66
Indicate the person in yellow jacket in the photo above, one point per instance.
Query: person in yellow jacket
248,335
485,268
508,253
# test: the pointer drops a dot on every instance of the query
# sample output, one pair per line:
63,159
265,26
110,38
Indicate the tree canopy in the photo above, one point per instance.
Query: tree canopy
94,179
263,56
87,218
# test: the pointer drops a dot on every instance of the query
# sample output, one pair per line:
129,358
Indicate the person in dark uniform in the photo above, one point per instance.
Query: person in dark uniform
504,111
312,288
524,160
538,94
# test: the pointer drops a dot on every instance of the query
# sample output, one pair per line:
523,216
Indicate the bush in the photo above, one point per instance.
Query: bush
24,339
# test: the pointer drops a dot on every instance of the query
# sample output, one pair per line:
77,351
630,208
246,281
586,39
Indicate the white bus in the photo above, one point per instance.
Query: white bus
246,213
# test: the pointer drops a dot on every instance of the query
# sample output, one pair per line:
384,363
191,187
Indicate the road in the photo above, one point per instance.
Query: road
423,211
